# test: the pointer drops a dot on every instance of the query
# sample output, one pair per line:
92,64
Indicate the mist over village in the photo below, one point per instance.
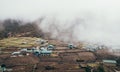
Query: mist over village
59,36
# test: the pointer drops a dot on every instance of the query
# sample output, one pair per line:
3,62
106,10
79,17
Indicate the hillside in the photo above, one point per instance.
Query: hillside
18,28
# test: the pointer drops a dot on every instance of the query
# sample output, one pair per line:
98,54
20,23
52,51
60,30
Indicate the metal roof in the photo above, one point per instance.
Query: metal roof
110,61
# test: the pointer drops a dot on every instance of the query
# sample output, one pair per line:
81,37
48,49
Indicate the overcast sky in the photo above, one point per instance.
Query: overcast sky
102,16
32,9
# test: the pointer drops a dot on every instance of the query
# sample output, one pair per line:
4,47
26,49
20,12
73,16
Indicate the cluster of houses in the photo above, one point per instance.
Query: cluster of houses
93,48
36,51
43,49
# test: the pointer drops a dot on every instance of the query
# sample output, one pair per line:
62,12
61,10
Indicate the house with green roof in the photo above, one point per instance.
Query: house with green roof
109,62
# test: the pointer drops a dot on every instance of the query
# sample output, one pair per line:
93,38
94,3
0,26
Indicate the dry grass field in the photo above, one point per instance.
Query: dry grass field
18,42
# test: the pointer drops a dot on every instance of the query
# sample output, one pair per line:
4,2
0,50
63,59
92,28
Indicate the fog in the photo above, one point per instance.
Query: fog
96,21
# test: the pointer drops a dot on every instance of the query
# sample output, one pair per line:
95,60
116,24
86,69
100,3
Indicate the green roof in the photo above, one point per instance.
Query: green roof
109,61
